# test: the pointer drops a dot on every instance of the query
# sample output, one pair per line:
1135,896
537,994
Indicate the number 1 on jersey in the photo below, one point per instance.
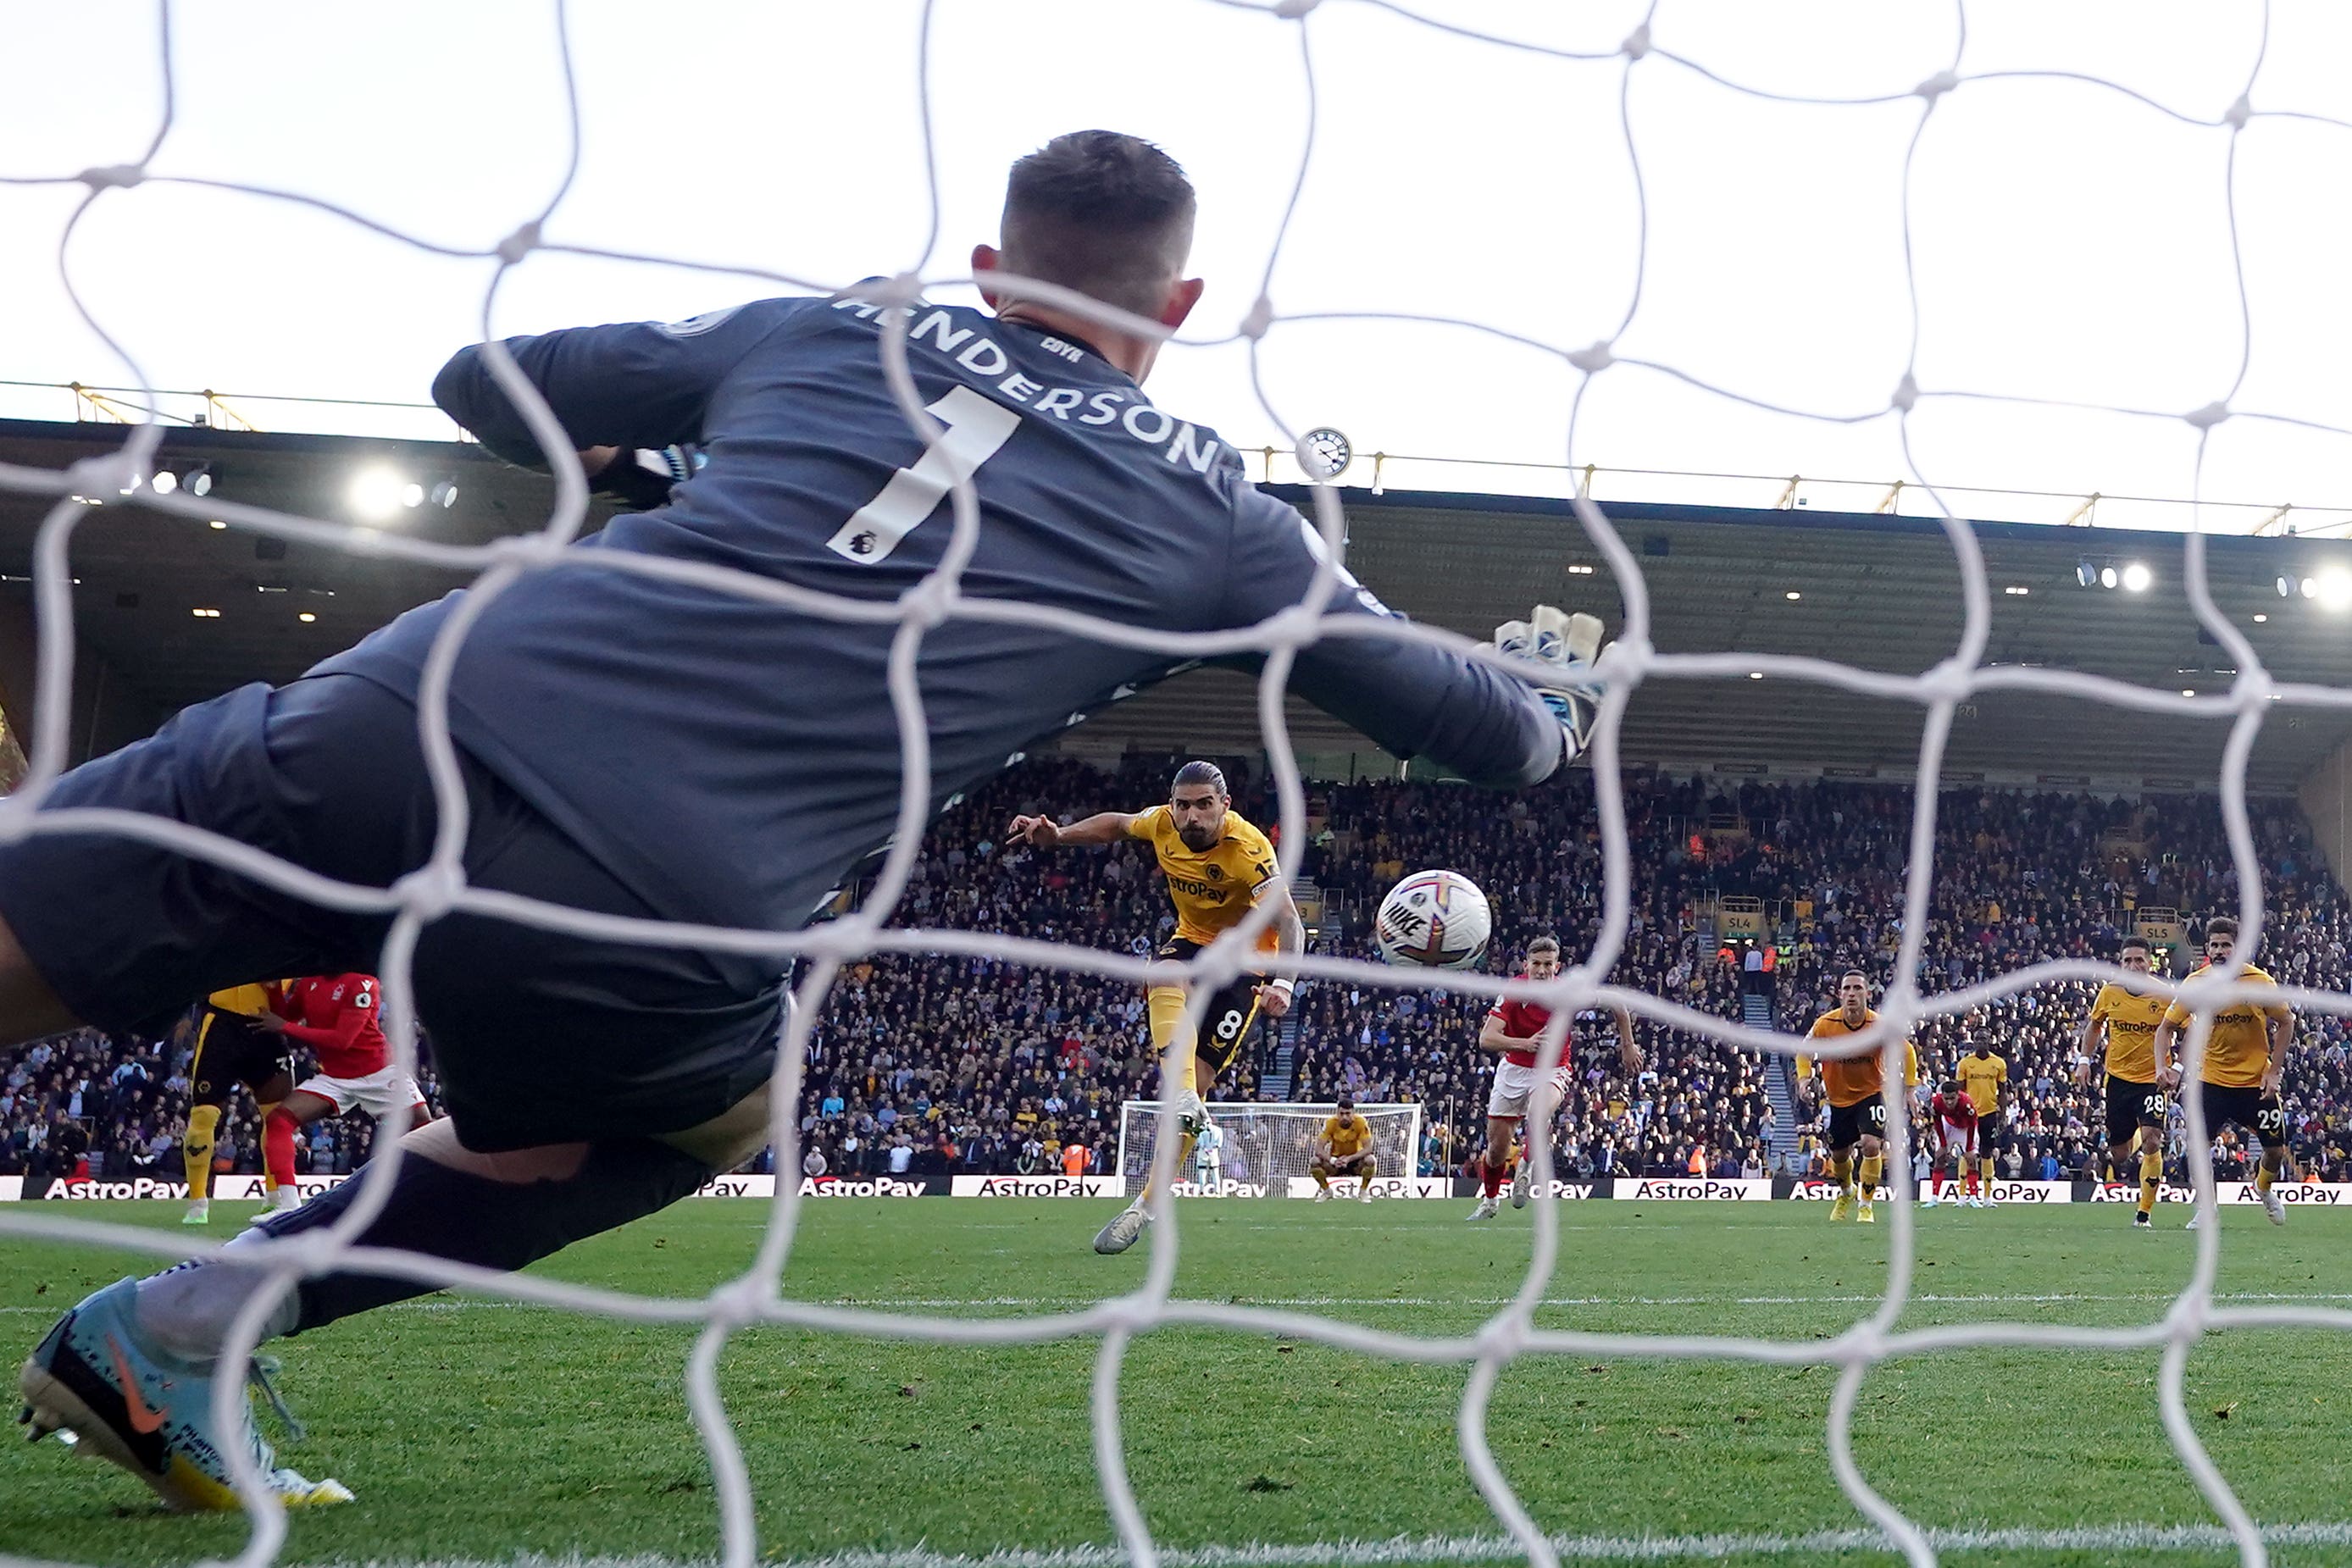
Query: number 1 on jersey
976,429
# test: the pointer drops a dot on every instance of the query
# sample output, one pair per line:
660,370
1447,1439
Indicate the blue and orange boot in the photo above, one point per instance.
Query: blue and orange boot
103,1384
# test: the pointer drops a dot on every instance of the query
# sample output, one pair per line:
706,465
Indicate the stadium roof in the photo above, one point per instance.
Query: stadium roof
1879,591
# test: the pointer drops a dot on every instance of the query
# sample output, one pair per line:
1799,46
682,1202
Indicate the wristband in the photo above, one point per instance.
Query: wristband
1283,983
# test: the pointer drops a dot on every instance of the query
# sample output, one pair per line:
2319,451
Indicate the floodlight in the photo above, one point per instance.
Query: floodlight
377,493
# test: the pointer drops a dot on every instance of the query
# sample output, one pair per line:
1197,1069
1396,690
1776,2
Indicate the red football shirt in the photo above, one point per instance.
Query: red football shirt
1958,1109
1524,1020
335,1016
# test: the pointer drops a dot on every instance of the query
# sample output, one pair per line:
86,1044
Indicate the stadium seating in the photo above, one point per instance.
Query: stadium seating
929,1065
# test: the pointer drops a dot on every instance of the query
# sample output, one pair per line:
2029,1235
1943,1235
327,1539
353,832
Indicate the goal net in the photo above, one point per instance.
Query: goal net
1257,1150
1751,356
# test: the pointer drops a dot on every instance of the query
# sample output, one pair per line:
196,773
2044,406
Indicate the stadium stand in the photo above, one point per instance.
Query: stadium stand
927,1065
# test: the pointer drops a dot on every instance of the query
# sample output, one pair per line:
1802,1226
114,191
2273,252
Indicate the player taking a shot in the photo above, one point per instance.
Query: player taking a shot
1218,867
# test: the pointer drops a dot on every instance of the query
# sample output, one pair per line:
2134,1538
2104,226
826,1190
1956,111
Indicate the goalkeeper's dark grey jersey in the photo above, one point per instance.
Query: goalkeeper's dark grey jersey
731,760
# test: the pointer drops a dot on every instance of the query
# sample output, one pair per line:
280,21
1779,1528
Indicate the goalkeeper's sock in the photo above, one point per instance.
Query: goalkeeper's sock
502,1211
278,1128
1873,1167
2151,1177
196,1150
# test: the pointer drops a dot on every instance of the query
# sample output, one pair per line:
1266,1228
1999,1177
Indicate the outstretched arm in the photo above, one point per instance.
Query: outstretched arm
613,389
1045,833
1414,699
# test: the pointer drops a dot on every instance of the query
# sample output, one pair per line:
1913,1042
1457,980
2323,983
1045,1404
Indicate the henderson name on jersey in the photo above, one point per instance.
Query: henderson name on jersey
593,691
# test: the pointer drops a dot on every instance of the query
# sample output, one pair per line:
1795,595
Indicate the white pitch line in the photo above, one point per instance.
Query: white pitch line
1405,1552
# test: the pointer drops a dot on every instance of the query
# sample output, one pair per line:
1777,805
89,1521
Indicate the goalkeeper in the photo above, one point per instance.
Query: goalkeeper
643,746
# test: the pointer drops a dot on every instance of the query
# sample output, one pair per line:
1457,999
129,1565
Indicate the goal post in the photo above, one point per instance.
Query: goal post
1259,1148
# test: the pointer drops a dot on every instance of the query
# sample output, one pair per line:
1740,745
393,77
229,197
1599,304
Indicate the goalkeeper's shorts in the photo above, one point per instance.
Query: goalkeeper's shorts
537,1037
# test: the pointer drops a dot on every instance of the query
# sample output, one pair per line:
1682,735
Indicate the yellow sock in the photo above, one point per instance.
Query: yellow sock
1984,1169
1183,1163
197,1149
1842,1167
1371,1167
2151,1177
2264,1175
1174,1041
1873,1167
1322,1178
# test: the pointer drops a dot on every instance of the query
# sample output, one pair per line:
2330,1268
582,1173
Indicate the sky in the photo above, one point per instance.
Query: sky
2067,241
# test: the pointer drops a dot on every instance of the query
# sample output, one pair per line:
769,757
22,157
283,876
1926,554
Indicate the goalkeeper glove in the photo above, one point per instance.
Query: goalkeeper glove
644,477
1568,643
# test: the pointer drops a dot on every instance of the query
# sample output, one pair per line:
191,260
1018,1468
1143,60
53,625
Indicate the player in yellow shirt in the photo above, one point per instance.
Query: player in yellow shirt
2245,1056
1344,1148
1219,867
2126,1019
1981,1075
1855,1087
232,1047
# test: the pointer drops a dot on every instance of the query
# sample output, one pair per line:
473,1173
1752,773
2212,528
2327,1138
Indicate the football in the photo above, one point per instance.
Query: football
1437,919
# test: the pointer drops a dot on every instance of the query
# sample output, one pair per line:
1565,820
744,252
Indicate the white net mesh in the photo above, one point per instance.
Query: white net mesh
1510,1333
1264,1150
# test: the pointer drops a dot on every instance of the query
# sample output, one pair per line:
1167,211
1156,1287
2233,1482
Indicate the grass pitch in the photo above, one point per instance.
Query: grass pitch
477,1431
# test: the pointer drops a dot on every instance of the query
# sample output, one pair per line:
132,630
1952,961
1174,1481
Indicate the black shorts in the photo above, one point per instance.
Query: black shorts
1987,1132
537,1037
231,1049
2249,1107
1225,1022
2130,1107
1346,1165
1849,1124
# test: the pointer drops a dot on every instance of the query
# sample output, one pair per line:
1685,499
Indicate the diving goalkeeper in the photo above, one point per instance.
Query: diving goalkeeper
643,746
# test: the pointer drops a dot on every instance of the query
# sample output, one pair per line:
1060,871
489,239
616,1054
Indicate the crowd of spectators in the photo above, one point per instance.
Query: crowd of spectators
936,1063
112,1108
982,1065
